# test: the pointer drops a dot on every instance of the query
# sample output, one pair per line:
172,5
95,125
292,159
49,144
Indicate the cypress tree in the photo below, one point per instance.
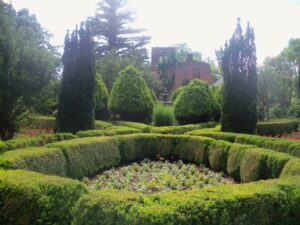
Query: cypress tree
76,109
240,76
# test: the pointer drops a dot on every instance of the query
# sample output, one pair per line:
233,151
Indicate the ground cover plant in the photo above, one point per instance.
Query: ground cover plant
157,176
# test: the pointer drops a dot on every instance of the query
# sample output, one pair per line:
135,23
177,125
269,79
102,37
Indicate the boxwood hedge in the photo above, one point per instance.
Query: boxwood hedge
29,198
264,203
277,127
291,147
32,198
49,161
88,156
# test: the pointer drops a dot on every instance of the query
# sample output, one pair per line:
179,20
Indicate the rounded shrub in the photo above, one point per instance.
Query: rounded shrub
195,104
176,93
130,97
101,97
163,115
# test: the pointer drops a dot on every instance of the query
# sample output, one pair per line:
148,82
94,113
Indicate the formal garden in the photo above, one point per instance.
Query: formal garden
96,146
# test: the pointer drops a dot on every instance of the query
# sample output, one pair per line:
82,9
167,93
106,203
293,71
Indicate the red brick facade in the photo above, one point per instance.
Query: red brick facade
183,72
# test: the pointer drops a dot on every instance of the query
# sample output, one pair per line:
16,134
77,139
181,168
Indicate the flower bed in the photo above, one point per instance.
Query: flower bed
158,176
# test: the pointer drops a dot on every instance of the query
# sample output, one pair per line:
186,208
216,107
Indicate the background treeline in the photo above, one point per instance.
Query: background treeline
279,84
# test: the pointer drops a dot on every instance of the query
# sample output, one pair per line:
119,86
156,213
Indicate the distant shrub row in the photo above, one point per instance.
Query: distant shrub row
278,127
279,144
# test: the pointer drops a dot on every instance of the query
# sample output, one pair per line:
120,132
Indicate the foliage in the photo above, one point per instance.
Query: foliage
76,109
276,127
176,93
35,197
182,51
292,53
292,168
195,104
278,144
130,96
182,129
161,176
101,96
24,142
99,125
27,63
239,72
275,88
88,156
111,28
46,101
217,95
163,115
42,122
30,198
110,131
266,202
49,161
140,126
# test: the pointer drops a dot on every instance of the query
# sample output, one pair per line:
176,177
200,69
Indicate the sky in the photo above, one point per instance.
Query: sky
204,25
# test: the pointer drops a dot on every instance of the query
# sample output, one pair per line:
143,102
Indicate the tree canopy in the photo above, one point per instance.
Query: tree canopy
27,63
111,27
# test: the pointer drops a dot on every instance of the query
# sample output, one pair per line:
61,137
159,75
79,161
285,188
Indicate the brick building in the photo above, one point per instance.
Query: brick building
180,73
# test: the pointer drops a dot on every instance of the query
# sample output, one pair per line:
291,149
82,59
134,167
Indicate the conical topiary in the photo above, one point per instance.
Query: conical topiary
195,104
130,97
101,96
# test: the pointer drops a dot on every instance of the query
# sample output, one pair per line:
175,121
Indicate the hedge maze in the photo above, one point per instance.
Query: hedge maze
40,178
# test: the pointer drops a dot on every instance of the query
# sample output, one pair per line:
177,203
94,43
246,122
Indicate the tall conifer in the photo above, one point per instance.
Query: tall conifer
76,104
240,75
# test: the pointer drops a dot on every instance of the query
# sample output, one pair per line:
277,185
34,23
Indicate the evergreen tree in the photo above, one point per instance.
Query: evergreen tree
239,72
76,109
110,26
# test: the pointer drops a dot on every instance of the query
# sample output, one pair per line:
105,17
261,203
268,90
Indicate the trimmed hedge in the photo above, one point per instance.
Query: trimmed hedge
38,141
50,122
139,146
291,147
218,155
182,129
140,126
30,198
278,127
257,164
42,122
49,161
267,202
110,131
88,156
292,168
100,125
264,203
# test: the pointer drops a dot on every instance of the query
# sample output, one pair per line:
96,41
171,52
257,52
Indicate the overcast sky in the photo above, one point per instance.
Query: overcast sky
204,25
